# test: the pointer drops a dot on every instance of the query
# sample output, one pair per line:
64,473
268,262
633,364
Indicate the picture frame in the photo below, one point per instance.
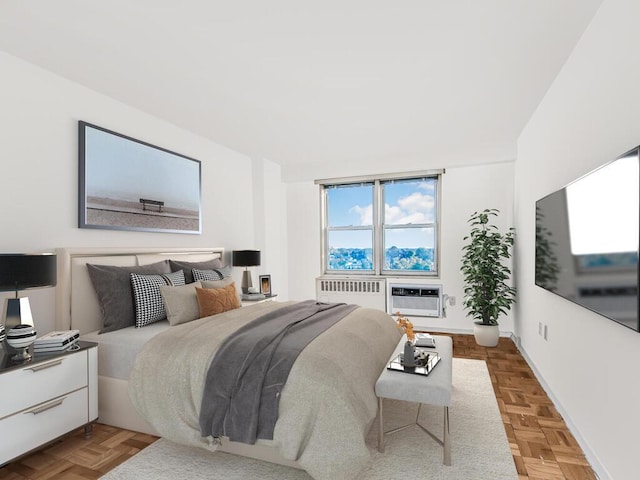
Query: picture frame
128,184
265,284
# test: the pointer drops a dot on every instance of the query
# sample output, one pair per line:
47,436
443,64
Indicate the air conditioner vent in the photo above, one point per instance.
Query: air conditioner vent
415,300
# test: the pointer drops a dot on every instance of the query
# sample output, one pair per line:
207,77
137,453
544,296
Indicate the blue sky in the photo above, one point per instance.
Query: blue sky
405,202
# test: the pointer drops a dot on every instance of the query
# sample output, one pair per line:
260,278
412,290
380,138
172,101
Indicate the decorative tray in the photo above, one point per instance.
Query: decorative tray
426,360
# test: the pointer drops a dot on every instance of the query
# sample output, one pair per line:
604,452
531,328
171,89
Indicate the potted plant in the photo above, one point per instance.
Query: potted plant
487,295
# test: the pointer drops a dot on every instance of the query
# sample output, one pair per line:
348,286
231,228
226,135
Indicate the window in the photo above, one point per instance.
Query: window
382,226
349,230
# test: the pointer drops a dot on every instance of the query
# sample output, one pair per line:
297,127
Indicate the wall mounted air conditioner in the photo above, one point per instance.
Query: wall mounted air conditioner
366,291
412,299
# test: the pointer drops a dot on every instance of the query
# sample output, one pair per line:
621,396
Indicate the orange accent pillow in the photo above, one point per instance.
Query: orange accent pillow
217,300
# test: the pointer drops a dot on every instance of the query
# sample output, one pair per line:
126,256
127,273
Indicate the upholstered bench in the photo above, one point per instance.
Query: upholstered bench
433,389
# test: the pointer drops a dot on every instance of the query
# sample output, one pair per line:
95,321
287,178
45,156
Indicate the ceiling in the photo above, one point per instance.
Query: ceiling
311,84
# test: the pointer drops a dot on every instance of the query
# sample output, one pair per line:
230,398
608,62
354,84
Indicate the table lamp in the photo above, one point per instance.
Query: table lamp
20,271
246,258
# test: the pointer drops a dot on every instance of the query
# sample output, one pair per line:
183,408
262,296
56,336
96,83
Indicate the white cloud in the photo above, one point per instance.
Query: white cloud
429,187
414,208
365,213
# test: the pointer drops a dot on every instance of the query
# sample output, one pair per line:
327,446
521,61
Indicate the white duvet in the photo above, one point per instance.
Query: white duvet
326,407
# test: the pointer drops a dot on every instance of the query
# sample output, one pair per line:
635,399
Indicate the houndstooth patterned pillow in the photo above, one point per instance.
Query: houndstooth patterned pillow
147,297
214,274
206,274
224,272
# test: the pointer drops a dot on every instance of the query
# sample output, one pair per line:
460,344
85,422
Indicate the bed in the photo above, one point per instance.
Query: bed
333,447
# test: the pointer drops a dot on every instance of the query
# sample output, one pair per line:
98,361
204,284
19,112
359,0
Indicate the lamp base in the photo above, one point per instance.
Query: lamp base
246,281
17,311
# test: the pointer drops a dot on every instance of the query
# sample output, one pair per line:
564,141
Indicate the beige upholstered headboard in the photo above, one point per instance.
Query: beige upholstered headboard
76,301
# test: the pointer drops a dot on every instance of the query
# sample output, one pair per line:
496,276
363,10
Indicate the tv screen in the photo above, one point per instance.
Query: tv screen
587,240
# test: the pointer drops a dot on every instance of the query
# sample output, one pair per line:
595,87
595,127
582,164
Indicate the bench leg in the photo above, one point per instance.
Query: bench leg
380,428
445,442
446,458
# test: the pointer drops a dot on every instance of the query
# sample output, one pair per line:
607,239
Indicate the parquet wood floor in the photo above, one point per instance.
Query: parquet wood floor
74,458
542,446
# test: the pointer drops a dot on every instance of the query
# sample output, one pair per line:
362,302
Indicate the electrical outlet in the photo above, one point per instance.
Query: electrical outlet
452,301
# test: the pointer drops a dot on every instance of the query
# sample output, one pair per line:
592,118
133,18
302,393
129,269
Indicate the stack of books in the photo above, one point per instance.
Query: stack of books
425,340
55,342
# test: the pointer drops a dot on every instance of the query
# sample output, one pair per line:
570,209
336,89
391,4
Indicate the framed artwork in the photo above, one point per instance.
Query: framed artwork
265,284
127,184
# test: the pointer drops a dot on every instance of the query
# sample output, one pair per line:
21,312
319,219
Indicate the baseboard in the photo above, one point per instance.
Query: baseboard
463,331
599,469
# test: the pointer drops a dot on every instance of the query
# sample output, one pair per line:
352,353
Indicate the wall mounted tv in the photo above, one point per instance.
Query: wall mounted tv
587,240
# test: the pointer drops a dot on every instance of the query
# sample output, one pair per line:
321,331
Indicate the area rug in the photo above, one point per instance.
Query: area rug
479,446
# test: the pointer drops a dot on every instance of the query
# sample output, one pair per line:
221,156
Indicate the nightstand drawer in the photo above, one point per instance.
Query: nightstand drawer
35,426
41,381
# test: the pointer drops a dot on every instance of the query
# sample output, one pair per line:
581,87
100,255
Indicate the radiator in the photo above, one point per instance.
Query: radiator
366,292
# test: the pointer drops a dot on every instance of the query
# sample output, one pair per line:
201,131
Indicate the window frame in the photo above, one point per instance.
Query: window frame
379,228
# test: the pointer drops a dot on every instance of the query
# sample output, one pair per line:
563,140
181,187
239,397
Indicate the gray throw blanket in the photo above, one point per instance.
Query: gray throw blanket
247,374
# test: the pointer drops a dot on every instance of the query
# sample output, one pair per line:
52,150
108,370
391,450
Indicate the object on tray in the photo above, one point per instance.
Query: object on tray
425,361
425,340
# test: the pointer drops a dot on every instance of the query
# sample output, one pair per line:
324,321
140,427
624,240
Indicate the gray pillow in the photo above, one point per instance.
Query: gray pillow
115,294
225,282
224,271
188,266
181,303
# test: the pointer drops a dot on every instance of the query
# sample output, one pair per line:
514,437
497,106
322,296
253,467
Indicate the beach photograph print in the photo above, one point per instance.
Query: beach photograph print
127,184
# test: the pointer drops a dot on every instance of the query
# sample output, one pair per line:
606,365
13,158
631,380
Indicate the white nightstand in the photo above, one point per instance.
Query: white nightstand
46,397
267,298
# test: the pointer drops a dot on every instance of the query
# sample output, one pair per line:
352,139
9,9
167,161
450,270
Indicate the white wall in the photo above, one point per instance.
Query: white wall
464,190
270,226
303,238
588,117
39,179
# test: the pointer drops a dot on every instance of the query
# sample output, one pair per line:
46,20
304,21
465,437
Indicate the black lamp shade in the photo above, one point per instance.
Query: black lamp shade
21,271
245,258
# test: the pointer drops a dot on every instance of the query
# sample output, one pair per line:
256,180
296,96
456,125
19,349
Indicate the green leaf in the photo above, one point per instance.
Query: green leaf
487,295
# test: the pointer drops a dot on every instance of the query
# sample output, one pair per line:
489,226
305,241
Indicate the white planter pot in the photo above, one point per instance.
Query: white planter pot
486,335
